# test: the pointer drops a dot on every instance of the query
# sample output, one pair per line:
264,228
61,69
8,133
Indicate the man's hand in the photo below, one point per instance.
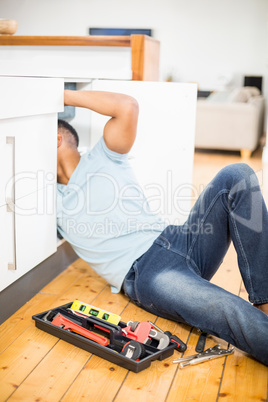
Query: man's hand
120,131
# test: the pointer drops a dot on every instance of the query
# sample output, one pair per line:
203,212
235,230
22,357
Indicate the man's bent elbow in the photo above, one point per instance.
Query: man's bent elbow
132,107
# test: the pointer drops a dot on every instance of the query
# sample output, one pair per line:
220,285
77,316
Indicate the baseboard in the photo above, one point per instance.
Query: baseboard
21,291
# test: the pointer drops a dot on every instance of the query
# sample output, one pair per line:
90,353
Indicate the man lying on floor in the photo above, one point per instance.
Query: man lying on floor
164,269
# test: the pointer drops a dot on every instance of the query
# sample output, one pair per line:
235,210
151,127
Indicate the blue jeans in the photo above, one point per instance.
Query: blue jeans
171,279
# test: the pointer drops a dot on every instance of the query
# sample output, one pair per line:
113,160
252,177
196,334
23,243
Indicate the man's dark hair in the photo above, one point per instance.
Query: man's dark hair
69,132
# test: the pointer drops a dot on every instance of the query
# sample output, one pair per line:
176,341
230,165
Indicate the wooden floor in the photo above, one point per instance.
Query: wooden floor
35,366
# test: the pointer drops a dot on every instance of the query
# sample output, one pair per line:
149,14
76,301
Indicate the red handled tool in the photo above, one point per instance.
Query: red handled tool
144,332
63,322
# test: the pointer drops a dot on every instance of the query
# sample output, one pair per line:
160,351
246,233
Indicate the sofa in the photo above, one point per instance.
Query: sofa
230,120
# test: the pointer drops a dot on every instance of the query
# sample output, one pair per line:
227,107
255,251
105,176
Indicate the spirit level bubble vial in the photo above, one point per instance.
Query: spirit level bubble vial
92,311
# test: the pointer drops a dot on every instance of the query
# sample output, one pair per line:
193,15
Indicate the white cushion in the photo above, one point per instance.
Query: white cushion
243,94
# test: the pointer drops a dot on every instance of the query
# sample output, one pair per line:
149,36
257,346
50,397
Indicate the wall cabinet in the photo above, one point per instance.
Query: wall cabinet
28,135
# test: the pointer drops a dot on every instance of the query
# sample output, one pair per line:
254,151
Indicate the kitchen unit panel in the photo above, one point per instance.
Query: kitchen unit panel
29,150
28,162
31,238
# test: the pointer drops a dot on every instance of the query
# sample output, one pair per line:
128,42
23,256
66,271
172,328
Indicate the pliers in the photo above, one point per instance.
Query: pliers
209,354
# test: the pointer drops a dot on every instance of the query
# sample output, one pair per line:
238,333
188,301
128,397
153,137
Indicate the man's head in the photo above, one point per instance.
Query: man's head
68,132
67,153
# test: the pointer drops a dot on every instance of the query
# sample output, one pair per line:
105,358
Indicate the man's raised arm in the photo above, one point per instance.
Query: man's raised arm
120,131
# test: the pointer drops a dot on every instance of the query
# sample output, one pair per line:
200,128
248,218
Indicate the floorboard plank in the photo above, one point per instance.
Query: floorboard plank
19,321
98,381
199,382
244,379
17,361
49,380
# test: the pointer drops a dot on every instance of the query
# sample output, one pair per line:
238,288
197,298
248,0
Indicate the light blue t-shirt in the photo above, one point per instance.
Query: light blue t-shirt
104,215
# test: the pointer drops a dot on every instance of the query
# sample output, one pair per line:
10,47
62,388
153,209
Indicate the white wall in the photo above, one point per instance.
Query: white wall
202,41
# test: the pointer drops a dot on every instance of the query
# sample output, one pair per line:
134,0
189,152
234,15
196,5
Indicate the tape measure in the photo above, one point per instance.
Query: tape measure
92,311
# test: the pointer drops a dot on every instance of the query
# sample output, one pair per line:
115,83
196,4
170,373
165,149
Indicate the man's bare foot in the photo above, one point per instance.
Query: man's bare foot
262,307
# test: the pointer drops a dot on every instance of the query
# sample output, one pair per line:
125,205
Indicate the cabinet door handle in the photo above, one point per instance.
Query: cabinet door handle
11,204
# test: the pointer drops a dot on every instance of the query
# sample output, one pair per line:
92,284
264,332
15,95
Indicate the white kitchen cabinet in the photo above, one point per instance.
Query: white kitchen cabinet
163,152
28,135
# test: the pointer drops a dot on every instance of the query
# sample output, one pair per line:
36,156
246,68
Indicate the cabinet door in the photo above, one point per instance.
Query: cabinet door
28,227
162,155
32,153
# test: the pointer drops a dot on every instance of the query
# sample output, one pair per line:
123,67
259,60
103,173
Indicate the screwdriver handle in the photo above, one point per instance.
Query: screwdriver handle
181,346
201,342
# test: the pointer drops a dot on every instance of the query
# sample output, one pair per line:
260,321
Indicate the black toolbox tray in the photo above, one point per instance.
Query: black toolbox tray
107,353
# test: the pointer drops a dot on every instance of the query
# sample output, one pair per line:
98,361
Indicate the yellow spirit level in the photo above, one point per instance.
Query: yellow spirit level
92,311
